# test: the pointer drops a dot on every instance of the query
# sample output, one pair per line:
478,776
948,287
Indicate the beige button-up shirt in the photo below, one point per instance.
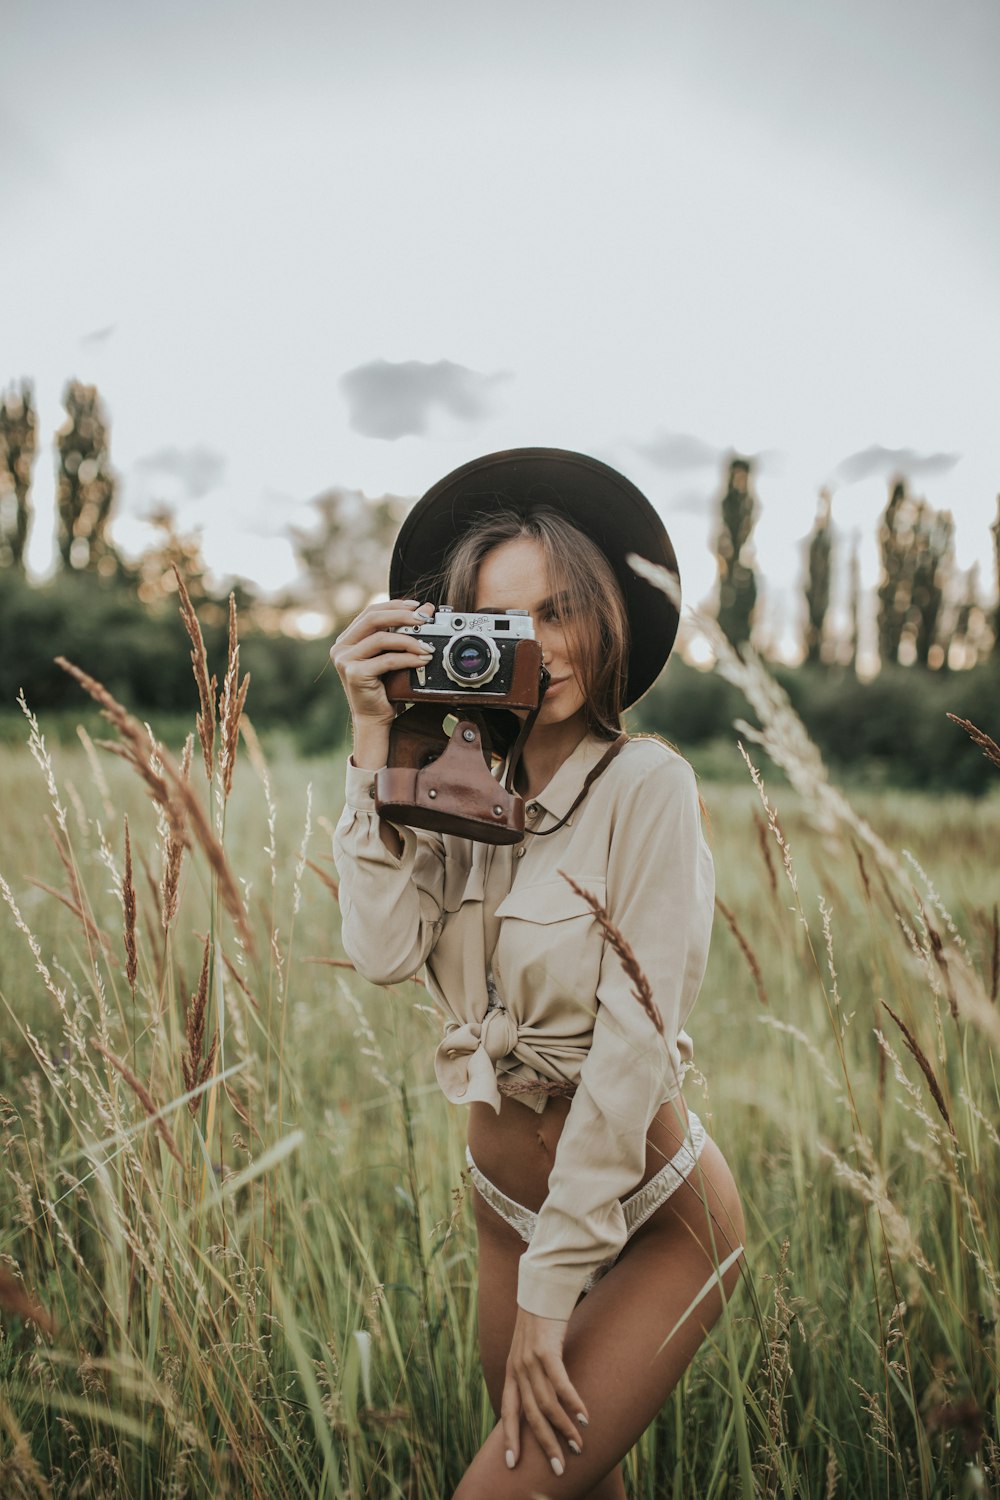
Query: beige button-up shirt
529,985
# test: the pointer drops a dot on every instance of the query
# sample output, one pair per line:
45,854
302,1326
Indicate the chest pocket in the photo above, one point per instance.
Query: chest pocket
550,944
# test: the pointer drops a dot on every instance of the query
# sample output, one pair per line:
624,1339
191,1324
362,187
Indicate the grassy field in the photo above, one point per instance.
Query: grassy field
245,1266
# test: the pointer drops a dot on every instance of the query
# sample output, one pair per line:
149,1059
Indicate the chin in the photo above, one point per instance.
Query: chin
557,713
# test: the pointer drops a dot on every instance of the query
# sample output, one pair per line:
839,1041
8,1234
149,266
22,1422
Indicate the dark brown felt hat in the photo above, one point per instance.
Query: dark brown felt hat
596,499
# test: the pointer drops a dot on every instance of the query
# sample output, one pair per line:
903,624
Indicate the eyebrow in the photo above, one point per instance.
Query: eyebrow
560,598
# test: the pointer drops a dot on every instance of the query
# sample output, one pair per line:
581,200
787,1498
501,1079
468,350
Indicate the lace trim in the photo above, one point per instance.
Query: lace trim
550,1086
637,1207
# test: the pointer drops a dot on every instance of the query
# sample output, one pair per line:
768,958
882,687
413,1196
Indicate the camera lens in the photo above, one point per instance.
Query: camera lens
471,660
470,657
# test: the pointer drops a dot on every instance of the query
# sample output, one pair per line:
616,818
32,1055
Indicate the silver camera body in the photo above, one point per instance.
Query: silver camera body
474,651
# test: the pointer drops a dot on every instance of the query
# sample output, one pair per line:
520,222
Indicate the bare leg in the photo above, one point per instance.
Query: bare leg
615,1352
500,1249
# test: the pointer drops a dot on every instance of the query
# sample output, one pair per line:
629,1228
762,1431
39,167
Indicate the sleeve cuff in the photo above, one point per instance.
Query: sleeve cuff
550,1293
359,792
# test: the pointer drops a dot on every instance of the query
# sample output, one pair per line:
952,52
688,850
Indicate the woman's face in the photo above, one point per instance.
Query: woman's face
514,576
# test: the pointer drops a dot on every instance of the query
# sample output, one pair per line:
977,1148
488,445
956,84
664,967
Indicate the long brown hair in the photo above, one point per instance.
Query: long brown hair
579,571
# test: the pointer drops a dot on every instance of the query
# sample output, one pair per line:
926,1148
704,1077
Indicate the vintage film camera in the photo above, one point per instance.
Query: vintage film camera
486,664
487,659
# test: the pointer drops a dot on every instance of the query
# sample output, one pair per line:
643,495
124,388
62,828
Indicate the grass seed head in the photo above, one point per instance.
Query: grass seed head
205,719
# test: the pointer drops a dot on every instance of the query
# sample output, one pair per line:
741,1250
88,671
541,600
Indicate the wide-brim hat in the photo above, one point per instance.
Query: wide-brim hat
595,498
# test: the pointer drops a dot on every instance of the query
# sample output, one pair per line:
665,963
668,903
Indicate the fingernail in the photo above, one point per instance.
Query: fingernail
557,1467
421,616
425,646
509,1455
574,1447
582,1419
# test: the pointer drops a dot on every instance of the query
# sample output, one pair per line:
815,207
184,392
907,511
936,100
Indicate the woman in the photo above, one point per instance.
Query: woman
603,1211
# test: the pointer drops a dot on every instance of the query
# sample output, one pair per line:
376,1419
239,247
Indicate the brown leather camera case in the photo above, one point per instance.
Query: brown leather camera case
446,784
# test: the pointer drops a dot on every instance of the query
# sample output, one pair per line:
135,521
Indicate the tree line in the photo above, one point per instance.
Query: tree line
118,615
929,614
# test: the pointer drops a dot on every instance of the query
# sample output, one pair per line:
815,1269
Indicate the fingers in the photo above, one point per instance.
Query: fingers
370,647
569,1401
384,616
510,1420
546,1396
385,640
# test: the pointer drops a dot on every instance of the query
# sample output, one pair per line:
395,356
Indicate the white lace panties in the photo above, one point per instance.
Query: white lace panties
637,1207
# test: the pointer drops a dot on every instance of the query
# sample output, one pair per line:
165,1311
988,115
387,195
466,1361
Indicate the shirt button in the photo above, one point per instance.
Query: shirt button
533,810
519,852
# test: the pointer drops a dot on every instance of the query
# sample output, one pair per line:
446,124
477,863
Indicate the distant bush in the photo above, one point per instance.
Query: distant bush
143,657
893,729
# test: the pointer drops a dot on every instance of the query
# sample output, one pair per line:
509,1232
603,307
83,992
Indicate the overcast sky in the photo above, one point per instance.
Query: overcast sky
304,245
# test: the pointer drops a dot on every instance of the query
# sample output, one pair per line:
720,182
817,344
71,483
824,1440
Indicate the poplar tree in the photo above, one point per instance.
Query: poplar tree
915,541
818,579
86,484
932,562
737,583
854,605
896,584
18,446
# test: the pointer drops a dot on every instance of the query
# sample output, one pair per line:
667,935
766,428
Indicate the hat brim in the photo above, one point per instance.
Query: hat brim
595,498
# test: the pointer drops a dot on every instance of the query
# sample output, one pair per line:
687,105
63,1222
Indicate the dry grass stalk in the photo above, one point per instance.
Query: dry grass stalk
778,1363
746,950
326,878
86,921
641,988
20,1475
143,1095
197,1069
129,908
925,1068
862,870
871,1187
228,889
259,764
65,859
137,747
96,771
169,789
989,747
173,852
235,974
205,719
16,1301
231,703
935,949
764,844
41,757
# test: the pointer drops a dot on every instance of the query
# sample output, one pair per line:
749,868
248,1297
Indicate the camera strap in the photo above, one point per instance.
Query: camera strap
602,765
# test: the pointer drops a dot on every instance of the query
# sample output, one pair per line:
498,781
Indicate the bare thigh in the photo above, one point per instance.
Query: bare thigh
624,1351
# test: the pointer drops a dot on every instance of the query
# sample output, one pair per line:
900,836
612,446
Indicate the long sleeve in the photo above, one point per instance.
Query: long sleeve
660,894
390,908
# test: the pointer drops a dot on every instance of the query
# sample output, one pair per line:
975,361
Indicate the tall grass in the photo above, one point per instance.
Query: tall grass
236,1251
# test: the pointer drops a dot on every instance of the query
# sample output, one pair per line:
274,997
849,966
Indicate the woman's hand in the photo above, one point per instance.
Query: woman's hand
368,648
538,1387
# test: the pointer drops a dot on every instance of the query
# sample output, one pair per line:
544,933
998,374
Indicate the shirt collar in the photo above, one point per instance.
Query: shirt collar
560,792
